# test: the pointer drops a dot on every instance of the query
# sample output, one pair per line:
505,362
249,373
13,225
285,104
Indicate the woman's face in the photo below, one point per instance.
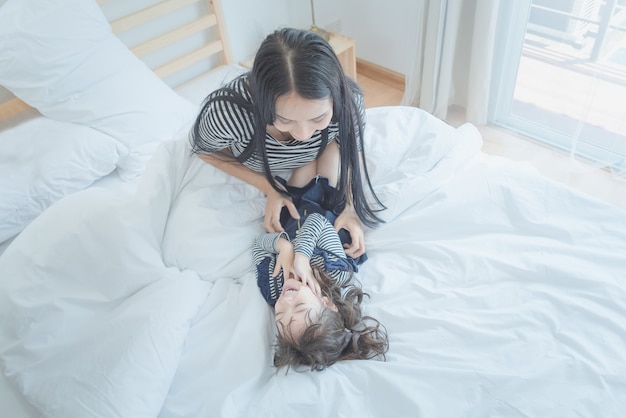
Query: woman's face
297,307
300,118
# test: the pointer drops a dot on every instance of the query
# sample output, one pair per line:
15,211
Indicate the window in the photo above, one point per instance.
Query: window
561,68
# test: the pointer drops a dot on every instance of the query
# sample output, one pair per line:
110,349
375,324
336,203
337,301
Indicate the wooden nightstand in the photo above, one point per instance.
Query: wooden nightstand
343,47
345,50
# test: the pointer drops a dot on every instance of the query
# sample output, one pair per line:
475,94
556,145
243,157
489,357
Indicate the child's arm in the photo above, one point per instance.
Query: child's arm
318,232
265,245
278,248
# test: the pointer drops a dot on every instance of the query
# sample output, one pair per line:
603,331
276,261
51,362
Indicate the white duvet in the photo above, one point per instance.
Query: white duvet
503,293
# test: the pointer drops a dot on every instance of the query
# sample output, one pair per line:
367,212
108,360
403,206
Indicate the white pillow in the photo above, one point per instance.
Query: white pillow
43,160
411,153
405,140
61,57
199,89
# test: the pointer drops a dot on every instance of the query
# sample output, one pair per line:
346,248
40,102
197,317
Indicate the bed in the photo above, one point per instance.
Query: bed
126,280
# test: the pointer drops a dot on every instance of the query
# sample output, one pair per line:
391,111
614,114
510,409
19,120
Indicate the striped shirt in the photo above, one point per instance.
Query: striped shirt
316,239
227,125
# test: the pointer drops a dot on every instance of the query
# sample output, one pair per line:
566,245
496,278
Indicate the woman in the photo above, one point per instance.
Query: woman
296,110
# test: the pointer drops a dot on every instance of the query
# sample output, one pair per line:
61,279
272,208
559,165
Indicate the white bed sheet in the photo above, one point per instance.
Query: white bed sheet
503,293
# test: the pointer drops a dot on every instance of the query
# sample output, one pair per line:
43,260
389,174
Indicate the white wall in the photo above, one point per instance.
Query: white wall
249,21
381,29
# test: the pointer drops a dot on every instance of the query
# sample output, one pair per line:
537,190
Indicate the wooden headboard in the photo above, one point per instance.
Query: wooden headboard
207,24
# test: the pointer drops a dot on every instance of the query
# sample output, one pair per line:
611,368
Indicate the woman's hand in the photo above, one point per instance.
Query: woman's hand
303,271
285,258
349,220
273,206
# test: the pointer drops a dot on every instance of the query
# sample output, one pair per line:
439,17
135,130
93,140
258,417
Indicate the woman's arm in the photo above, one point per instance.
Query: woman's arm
327,165
275,200
238,170
349,220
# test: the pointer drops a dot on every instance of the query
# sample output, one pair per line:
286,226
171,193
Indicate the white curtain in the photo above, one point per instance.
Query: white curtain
452,58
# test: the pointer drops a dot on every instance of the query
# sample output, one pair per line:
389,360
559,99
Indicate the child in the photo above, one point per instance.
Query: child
309,281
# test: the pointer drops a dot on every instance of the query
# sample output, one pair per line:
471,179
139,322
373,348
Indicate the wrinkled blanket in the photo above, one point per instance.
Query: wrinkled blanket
504,294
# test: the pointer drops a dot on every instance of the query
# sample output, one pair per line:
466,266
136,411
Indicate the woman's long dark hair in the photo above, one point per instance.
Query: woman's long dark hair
300,61
344,334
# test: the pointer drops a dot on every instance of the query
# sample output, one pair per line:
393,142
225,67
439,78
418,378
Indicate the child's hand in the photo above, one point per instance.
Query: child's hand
285,258
303,271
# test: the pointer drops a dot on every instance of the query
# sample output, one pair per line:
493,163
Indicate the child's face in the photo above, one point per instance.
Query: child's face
300,117
297,307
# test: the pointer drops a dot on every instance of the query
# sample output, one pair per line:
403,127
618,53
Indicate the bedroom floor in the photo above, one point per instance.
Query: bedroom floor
551,162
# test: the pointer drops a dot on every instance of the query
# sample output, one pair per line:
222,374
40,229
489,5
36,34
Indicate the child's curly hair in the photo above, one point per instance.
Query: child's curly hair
336,335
